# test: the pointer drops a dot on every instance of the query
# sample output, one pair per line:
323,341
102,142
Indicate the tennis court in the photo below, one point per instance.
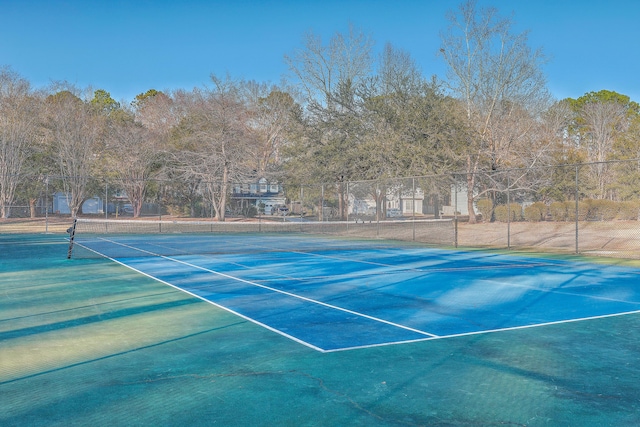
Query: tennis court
293,329
336,294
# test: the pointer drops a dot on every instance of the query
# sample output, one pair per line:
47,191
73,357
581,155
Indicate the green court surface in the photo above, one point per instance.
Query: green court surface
89,342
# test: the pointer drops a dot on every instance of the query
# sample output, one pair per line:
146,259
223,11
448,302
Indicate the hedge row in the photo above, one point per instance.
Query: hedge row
588,210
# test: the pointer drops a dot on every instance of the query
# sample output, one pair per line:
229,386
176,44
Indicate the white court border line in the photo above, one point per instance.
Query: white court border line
429,270
359,274
208,270
428,336
490,331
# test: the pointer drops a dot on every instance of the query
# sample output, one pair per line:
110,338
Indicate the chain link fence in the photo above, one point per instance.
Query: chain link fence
567,209
591,209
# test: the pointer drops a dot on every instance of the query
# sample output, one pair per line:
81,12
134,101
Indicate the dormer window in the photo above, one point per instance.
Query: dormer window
263,185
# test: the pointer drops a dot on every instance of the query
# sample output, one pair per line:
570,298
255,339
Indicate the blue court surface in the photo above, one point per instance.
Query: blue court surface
337,295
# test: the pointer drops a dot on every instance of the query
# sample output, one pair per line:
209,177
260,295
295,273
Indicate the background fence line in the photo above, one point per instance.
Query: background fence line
591,208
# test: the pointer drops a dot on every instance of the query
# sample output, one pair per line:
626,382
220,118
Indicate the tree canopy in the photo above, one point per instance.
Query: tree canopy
347,114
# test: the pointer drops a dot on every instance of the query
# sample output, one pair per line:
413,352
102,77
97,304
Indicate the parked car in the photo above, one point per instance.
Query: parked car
280,210
393,213
127,209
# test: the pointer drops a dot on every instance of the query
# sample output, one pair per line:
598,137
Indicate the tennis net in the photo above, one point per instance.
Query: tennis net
126,238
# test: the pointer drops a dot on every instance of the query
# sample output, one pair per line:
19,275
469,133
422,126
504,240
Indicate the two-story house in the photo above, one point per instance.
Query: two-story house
265,195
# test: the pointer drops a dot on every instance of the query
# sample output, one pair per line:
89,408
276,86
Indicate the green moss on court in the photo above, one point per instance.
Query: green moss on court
89,342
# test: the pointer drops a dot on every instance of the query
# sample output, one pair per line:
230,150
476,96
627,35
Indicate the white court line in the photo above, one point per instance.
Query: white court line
558,291
500,265
395,269
490,331
428,336
335,307
206,300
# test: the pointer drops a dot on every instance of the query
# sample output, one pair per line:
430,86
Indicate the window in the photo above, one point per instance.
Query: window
408,205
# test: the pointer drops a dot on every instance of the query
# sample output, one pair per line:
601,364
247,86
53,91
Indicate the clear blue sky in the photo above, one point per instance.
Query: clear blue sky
128,47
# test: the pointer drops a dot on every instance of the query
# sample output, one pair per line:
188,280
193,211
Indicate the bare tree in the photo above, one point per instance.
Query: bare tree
627,147
605,122
74,131
497,76
599,120
324,70
273,111
156,111
399,75
213,142
18,125
133,156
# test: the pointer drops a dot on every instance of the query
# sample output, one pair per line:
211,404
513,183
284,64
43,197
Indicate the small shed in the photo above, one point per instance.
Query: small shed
93,205
61,203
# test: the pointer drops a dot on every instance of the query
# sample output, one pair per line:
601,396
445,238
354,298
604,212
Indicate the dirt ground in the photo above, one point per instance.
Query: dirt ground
607,238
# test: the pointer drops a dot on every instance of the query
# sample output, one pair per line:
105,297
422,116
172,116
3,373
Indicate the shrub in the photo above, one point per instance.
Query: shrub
250,211
535,212
558,211
583,210
602,210
502,212
485,207
629,210
611,210
178,210
516,211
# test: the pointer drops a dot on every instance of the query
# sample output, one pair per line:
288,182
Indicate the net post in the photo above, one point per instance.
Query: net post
72,234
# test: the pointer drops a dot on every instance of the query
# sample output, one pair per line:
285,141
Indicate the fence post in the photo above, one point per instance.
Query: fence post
301,205
455,211
106,200
346,202
46,204
322,208
413,207
508,214
577,197
379,208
